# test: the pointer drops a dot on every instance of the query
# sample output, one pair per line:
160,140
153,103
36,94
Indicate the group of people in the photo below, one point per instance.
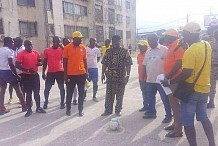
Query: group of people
170,67
183,71
70,63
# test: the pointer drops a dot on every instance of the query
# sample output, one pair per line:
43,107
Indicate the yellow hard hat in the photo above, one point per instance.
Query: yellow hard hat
171,32
143,43
77,34
192,27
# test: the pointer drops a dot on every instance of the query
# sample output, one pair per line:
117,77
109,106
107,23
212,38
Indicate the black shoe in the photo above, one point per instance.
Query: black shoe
143,109
118,114
149,116
106,114
4,112
167,120
45,106
75,102
68,113
24,109
81,114
171,127
211,105
62,106
29,112
40,110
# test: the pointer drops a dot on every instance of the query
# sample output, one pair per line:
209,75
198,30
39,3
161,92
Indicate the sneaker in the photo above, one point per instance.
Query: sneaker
106,114
45,106
210,105
62,106
10,101
2,112
40,110
68,113
81,114
75,102
95,99
29,112
149,116
167,120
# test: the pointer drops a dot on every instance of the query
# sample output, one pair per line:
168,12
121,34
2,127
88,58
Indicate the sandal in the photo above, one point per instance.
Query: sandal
174,134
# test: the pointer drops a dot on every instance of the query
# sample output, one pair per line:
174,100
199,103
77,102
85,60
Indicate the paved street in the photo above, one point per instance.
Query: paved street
56,129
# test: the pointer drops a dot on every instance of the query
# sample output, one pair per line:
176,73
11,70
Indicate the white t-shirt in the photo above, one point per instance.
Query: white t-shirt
92,55
5,53
16,52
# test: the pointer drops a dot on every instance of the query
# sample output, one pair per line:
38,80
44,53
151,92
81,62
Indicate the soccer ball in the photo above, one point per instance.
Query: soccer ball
114,124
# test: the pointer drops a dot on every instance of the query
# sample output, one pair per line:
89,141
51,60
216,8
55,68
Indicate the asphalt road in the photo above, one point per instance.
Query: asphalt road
56,129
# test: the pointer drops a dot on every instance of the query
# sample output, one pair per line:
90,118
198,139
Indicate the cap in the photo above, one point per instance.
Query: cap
171,32
77,34
192,27
143,43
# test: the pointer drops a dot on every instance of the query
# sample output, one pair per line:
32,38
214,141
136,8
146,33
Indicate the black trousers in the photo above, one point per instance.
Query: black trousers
50,80
74,80
31,83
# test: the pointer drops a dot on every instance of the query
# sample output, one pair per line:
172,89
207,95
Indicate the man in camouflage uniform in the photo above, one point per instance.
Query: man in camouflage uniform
214,71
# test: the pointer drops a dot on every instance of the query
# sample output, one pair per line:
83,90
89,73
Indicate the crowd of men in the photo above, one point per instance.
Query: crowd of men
189,60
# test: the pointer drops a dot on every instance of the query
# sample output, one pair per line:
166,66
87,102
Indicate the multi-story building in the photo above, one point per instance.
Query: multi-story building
39,20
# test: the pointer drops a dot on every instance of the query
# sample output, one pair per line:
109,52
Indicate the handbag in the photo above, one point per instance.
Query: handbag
185,90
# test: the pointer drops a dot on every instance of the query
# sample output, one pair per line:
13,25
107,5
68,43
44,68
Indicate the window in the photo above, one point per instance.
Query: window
119,18
98,13
128,34
111,32
118,2
127,20
111,16
127,5
49,6
84,31
51,30
111,2
120,33
71,8
99,33
30,3
68,30
68,8
28,29
1,27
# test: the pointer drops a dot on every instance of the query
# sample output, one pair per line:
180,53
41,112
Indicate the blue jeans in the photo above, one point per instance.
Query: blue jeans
143,87
197,104
152,89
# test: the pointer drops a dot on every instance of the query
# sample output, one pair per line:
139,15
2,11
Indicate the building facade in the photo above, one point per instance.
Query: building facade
39,20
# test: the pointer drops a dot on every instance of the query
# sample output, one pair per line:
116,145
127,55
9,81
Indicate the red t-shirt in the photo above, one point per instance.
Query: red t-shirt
54,57
140,59
28,60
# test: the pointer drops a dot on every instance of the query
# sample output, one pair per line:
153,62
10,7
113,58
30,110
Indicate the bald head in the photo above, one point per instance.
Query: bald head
153,40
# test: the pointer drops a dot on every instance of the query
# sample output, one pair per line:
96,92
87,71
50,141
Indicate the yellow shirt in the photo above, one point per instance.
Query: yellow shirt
104,49
193,59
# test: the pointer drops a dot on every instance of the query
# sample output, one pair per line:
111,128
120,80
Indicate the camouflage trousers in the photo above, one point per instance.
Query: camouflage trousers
114,89
213,78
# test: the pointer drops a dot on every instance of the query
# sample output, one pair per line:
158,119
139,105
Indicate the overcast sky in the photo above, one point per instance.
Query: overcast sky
157,14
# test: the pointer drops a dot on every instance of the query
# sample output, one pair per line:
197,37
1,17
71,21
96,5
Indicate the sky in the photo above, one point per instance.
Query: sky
157,14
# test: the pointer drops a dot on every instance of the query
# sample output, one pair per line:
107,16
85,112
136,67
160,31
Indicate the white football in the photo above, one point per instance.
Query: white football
114,124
